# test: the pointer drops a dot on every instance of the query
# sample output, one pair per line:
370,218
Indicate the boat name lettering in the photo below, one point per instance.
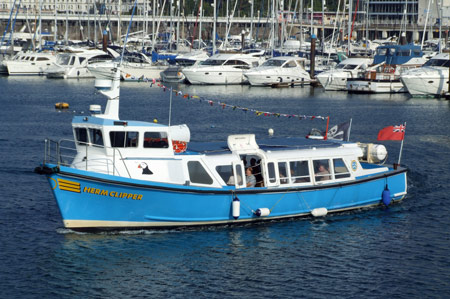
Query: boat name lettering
115,194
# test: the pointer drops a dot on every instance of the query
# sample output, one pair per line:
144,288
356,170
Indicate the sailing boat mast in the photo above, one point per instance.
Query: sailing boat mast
214,28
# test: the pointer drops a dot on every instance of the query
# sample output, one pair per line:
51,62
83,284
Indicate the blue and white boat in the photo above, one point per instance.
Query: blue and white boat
131,174
383,76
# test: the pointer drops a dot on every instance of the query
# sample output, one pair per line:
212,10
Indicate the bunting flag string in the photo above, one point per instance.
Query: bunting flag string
234,107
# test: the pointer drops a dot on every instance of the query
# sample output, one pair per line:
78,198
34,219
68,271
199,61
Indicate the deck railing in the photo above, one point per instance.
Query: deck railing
63,152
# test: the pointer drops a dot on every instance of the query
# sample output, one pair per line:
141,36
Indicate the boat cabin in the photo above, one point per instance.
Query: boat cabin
164,154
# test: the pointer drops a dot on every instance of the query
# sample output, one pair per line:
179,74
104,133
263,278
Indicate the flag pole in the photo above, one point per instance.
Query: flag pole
349,129
326,131
401,146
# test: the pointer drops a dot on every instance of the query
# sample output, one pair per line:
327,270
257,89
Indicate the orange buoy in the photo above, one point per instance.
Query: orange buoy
61,105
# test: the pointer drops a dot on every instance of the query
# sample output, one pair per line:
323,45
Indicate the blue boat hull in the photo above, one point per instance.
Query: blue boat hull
88,200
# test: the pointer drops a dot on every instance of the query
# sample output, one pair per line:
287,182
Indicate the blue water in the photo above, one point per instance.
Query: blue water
401,251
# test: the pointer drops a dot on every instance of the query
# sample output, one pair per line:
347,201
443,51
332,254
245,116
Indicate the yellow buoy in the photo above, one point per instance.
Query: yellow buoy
61,105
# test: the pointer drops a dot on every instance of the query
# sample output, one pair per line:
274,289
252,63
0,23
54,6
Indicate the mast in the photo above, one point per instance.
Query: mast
200,23
40,24
119,23
214,28
350,8
66,35
56,24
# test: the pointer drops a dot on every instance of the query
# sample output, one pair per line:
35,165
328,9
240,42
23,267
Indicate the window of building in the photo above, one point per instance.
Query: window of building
198,174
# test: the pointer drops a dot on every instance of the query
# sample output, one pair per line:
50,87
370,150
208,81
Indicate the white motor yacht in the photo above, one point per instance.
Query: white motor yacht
336,79
430,80
223,68
138,67
174,72
30,63
279,70
73,64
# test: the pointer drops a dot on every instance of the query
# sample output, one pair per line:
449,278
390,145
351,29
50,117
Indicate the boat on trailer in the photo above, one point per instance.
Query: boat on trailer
130,174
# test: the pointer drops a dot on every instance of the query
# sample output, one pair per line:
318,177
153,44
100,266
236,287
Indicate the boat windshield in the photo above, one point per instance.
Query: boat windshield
346,66
273,62
63,59
438,62
212,62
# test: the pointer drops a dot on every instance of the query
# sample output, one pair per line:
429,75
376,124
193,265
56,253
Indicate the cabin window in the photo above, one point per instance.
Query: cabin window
381,51
81,59
96,136
271,171
198,174
404,53
282,171
81,136
290,64
124,139
42,59
235,62
225,172
72,60
299,171
155,140
417,53
340,169
322,170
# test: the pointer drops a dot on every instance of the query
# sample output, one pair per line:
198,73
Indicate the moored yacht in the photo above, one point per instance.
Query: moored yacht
336,79
430,80
388,64
223,68
133,174
279,70
73,64
30,63
174,72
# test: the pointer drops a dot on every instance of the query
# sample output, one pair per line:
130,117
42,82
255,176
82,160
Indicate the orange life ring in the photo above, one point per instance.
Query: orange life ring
179,146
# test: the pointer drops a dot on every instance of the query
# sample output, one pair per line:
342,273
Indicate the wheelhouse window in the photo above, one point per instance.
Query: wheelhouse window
155,140
299,171
322,170
340,169
81,135
123,139
198,174
96,137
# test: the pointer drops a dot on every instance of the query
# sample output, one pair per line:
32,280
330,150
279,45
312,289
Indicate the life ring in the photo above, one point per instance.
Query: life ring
179,146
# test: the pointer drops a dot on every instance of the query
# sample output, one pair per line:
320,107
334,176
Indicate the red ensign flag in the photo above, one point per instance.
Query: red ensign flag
392,133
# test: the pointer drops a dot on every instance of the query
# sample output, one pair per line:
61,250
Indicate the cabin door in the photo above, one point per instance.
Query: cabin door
239,174
271,173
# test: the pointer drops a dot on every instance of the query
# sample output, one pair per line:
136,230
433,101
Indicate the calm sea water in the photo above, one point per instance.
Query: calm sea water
401,251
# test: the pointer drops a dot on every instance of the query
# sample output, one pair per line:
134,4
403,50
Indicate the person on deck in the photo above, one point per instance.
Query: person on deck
251,180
